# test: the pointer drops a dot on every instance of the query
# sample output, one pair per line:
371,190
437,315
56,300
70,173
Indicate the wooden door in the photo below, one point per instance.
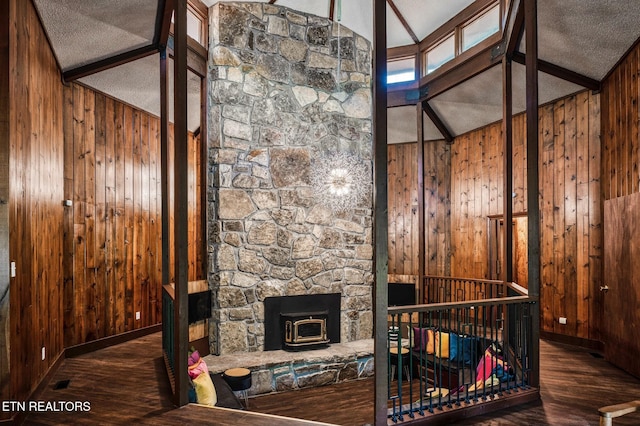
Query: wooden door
519,247
622,277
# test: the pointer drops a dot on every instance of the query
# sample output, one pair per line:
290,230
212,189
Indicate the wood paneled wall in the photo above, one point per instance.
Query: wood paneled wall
620,109
113,234
5,378
476,194
402,172
403,208
570,201
571,216
35,201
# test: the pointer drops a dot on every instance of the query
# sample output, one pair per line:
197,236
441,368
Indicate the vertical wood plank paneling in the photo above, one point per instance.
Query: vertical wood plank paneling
431,207
113,266
406,210
36,190
631,124
100,222
444,207
582,215
400,230
155,278
143,246
5,259
68,226
415,217
130,132
570,220
79,213
110,290
119,219
392,170
547,258
558,212
596,241
89,305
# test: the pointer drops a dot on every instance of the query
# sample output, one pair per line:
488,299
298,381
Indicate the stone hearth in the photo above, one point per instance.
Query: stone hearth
276,106
283,371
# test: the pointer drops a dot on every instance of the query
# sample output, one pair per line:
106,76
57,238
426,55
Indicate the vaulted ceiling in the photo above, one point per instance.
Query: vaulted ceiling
586,37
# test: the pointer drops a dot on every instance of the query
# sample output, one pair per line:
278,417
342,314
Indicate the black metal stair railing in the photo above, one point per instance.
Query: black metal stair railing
450,354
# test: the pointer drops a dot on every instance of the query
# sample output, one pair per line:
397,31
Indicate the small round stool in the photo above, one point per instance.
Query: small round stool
239,379
404,353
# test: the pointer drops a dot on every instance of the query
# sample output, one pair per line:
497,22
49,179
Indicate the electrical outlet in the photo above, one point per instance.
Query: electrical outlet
138,315
562,320
44,353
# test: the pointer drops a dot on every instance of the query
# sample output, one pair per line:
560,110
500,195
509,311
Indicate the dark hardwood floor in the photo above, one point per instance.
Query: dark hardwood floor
126,384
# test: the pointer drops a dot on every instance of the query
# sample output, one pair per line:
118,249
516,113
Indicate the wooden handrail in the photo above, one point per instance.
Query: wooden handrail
460,305
608,413
479,280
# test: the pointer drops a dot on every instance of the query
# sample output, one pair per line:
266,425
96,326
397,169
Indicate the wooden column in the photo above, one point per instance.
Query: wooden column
4,202
204,168
381,213
180,193
507,146
533,186
164,160
421,227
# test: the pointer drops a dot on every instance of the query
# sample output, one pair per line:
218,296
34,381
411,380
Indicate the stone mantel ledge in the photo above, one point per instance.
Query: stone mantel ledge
337,352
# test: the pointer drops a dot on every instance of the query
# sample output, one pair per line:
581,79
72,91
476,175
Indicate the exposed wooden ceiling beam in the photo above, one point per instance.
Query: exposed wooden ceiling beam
403,21
463,72
515,27
433,116
160,39
560,72
107,63
163,22
431,87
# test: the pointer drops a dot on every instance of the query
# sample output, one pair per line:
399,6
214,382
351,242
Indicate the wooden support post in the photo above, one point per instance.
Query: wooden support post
180,194
421,228
204,167
381,214
507,146
533,185
164,163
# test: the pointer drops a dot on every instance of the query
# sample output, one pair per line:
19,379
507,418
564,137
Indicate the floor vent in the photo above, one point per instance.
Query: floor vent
61,384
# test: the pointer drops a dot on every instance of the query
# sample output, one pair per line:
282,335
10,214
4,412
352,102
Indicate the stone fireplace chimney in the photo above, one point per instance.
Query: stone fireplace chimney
275,106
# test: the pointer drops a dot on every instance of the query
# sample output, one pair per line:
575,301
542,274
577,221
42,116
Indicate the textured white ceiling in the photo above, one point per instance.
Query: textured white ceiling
403,125
478,101
83,31
138,84
586,36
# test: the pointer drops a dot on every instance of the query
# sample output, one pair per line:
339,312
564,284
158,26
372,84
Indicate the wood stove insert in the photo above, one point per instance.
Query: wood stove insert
302,322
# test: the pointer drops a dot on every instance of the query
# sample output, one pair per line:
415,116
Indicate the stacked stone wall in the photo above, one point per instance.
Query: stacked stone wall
276,106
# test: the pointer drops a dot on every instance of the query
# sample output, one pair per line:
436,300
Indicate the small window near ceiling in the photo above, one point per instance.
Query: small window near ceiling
440,53
401,70
194,26
480,28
